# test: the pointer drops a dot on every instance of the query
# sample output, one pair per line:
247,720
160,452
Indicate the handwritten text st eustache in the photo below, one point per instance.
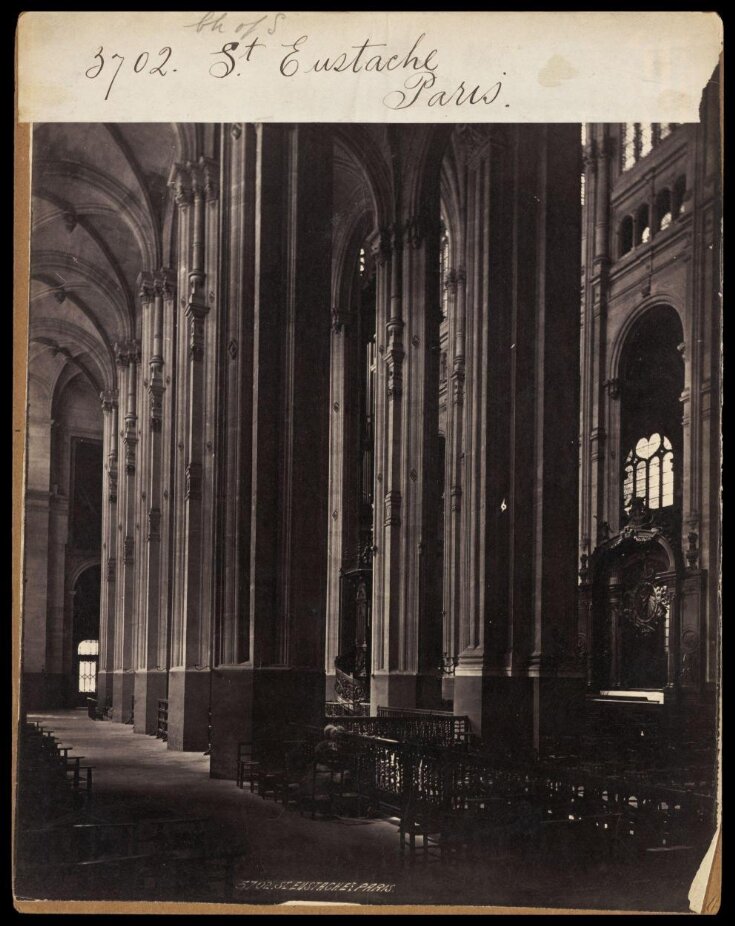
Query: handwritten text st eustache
418,88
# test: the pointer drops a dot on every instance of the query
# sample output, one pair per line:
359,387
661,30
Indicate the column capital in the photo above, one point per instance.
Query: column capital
194,178
145,287
163,282
108,399
127,352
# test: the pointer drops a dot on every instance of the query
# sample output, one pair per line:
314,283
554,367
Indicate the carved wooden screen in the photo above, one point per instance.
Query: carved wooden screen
634,629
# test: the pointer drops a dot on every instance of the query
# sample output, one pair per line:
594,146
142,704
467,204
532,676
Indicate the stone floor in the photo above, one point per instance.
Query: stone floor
136,777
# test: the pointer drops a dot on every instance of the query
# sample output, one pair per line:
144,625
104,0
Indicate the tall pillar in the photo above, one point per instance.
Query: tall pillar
151,676
482,642
106,663
189,683
454,472
517,632
127,356
290,423
395,660
232,679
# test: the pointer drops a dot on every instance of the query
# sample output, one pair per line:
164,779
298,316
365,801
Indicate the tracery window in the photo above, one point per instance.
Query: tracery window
638,139
651,439
649,473
88,666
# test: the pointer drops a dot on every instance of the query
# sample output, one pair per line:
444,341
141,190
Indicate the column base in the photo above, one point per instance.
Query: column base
123,694
150,685
393,689
104,687
519,715
559,706
232,717
188,709
284,696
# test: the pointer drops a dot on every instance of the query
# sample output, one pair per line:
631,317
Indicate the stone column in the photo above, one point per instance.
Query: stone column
394,659
339,477
151,680
485,409
290,423
232,680
517,631
189,690
109,549
127,356
598,438
454,471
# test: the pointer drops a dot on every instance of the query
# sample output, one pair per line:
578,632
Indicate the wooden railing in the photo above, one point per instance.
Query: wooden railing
429,729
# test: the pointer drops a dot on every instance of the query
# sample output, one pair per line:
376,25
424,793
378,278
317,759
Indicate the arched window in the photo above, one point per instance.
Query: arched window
87,651
651,381
642,225
649,473
625,236
663,210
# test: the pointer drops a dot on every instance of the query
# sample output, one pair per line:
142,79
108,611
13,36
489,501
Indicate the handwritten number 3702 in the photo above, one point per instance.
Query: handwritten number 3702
141,63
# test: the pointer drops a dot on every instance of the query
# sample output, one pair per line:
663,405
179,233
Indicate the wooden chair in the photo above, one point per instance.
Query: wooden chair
247,766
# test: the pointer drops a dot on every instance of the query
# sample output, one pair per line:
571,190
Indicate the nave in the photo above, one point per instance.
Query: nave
275,850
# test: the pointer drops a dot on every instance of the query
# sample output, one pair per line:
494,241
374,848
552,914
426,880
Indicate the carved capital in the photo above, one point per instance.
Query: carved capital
130,441
145,287
196,313
127,352
458,378
155,394
108,399
208,178
182,183
394,365
163,283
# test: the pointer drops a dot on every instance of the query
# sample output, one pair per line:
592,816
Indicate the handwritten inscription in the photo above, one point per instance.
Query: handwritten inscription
265,38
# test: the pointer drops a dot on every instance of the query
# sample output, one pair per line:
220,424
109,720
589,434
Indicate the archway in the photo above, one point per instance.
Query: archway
85,635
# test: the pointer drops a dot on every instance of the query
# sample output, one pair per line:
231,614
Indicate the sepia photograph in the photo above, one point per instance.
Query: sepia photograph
371,507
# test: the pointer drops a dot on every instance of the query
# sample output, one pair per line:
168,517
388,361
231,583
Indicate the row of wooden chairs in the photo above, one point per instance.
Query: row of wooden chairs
51,783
